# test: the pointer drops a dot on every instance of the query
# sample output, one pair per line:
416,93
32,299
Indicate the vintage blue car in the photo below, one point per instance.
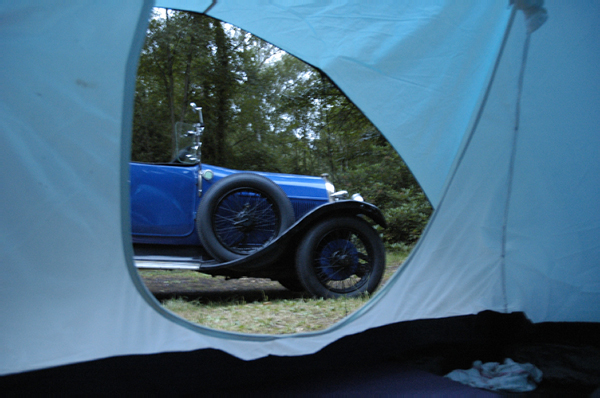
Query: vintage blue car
290,228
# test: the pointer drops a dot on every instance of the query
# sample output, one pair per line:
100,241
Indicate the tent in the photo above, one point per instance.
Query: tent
493,110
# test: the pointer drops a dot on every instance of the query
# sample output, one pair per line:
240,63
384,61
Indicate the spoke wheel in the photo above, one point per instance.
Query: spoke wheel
341,256
241,214
244,220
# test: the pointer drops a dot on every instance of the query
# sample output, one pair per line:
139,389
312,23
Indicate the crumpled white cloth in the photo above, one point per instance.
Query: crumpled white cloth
510,376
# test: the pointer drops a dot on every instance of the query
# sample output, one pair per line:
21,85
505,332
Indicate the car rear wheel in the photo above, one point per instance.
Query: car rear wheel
240,214
341,257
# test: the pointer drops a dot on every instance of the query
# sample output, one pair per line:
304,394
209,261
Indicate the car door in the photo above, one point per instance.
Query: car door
163,200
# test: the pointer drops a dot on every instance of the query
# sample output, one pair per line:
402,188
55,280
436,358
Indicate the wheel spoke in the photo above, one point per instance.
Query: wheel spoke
245,220
341,257
341,261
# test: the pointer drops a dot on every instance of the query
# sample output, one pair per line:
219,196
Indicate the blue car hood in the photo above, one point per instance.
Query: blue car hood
295,186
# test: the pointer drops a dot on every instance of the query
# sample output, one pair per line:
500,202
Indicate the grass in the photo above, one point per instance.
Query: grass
265,316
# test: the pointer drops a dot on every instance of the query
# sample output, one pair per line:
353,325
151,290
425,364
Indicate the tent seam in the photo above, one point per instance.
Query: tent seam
212,4
470,137
511,166
482,106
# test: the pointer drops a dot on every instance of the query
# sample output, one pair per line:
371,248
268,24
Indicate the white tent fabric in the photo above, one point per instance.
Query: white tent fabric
516,227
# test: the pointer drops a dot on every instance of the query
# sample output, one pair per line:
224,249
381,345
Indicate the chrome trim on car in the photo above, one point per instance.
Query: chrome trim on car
340,195
329,187
208,175
141,264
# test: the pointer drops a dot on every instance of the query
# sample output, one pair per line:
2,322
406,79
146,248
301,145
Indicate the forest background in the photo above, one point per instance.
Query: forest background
265,110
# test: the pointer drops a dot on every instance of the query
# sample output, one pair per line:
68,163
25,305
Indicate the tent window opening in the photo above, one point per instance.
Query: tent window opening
234,140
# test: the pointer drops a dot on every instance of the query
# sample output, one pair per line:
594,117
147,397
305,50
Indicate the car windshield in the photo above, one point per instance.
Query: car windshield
187,145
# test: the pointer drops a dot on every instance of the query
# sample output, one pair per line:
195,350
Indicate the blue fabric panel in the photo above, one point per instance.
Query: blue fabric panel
396,61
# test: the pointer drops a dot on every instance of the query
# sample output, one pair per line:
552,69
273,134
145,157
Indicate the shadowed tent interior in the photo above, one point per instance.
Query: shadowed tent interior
493,107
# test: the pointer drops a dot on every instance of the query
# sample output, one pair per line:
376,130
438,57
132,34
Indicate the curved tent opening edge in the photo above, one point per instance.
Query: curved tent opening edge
145,293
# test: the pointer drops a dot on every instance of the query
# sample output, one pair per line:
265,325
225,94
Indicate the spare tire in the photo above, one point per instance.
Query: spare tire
240,214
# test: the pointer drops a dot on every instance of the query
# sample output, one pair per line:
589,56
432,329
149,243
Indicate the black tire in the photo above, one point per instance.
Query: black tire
292,283
341,257
240,214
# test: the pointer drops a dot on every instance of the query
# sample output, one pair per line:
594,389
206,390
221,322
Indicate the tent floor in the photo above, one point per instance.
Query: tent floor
407,358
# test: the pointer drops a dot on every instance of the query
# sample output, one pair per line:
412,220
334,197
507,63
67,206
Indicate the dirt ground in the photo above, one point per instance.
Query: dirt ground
171,284
212,289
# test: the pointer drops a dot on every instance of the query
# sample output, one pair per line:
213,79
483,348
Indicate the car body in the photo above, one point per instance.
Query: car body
291,228
166,197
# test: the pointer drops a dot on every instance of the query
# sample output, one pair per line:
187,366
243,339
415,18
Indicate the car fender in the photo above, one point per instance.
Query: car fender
284,245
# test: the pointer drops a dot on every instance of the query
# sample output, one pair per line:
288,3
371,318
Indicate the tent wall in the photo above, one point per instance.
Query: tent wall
553,243
396,61
499,242
518,226
501,238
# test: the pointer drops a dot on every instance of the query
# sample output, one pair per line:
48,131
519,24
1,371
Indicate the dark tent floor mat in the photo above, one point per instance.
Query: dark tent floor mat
387,379
383,379
403,359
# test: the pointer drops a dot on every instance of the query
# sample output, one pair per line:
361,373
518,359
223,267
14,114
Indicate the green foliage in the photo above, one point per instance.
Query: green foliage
407,221
170,76
383,179
265,110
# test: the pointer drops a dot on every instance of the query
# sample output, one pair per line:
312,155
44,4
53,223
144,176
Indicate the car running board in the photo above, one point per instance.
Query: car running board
169,265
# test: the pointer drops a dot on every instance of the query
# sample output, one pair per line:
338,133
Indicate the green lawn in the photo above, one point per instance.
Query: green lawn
265,316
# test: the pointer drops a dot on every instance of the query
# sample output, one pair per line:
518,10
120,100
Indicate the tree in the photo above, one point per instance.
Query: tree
172,65
265,110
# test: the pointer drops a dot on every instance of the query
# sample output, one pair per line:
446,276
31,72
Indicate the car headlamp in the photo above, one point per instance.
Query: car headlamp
208,174
358,197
